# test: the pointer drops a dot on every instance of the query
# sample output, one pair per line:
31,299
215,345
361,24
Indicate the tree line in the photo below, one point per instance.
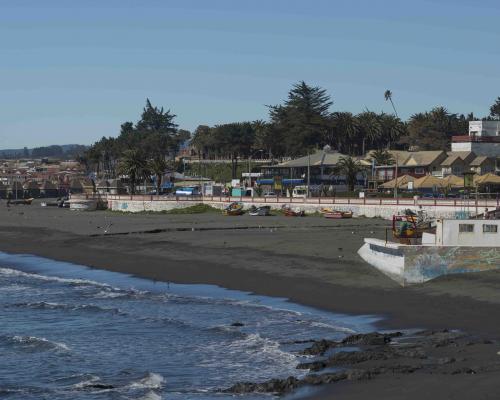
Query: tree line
303,123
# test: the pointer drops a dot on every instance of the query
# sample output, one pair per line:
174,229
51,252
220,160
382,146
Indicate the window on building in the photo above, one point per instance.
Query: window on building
419,171
490,228
466,228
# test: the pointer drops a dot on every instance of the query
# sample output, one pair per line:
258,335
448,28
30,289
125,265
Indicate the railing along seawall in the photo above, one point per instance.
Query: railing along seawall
367,201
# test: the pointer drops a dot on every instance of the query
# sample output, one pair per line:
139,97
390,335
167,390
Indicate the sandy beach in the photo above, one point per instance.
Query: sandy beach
308,260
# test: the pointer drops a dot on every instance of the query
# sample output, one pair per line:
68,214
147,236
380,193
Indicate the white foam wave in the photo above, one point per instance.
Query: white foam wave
86,383
336,328
71,281
104,294
254,343
150,381
150,396
43,305
37,343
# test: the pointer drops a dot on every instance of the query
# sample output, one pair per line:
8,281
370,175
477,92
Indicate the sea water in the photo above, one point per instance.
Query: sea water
71,332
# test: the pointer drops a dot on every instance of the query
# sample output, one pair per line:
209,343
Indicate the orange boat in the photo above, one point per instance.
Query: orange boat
337,214
292,213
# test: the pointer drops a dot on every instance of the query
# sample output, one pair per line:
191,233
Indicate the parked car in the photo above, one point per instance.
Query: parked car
270,194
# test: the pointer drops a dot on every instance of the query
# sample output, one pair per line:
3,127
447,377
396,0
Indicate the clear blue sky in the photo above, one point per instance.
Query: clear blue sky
73,71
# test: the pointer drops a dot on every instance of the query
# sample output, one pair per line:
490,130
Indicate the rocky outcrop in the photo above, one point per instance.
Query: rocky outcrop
378,354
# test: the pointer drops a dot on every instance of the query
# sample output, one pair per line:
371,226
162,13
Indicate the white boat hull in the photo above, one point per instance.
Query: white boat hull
420,263
83,205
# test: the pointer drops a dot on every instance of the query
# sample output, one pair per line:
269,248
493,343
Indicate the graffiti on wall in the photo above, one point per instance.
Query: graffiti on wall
425,263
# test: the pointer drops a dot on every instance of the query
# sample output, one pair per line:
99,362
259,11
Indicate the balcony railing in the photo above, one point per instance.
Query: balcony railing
475,139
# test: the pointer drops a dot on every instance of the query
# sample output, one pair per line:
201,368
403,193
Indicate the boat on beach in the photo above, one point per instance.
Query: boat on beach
25,202
61,203
289,212
82,204
259,211
335,214
235,208
453,246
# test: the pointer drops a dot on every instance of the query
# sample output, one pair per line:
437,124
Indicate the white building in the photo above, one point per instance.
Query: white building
484,128
483,139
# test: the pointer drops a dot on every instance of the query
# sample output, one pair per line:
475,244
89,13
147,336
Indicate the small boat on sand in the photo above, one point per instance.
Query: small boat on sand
288,212
25,202
82,204
259,211
337,214
61,203
234,208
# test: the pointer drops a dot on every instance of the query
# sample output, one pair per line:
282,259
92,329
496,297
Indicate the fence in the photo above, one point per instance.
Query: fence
413,202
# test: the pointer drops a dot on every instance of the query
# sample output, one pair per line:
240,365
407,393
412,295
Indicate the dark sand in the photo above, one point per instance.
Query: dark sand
309,260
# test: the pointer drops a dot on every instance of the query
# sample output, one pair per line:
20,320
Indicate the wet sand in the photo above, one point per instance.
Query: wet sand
309,260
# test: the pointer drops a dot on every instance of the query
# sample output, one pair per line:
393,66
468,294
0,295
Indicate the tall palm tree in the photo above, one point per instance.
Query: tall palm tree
345,129
392,129
388,97
369,128
157,167
350,168
133,164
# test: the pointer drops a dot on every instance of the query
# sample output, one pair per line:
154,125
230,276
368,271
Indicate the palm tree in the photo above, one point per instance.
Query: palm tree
369,128
382,157
345,129
134,165
388,97
392,128
157,167
350,168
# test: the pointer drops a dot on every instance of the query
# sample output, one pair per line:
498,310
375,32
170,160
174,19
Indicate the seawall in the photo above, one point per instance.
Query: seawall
368,207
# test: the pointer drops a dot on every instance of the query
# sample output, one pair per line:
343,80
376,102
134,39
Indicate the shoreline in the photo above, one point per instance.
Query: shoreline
309,261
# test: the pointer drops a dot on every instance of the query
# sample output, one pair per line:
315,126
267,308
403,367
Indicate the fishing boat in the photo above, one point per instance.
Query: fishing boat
408,227
234,208
259,211
288,212
456,246
25,202
61,203
82,204
334,214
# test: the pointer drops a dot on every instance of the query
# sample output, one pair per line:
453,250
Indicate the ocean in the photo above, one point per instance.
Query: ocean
72,332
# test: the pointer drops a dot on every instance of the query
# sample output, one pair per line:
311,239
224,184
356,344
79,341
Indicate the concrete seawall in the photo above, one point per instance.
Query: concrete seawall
382,208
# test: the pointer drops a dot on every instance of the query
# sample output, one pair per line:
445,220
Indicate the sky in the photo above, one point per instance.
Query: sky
73,71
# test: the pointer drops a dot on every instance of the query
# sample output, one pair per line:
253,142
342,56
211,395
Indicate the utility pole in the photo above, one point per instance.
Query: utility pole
308,172
396,182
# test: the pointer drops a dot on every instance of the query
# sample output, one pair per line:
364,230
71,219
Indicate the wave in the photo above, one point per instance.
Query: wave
33,343
70,281
253,342
336,328
88,383
150,396
150,381
43,305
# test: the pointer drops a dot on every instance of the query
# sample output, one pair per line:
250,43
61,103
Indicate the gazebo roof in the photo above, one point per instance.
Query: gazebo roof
487,179
453,181
428,182
399,181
